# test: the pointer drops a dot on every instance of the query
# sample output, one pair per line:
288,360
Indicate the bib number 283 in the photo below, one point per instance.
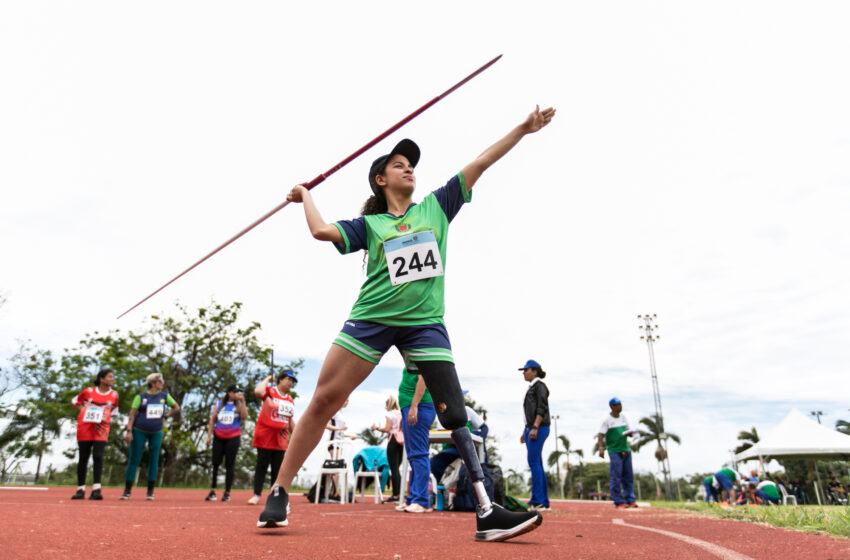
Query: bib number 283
411,257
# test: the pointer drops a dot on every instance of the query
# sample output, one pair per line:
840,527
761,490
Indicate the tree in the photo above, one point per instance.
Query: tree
199,354
654,432
748,439
843,426
555,457
371,437
515,482
36,420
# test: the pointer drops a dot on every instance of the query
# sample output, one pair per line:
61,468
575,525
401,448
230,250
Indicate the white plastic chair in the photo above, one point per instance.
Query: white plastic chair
373,475
786,497
339,449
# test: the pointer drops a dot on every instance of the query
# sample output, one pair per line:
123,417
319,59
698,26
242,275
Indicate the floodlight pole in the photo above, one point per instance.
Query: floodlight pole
558,462
650,337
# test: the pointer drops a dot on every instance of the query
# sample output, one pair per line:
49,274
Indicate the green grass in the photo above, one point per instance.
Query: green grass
834,520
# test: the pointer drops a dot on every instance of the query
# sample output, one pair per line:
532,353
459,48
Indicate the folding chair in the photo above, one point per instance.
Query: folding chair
786,497
339,448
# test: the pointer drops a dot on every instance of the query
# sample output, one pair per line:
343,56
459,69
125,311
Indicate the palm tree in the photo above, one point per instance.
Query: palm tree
843,426
748,439
555,456
654,432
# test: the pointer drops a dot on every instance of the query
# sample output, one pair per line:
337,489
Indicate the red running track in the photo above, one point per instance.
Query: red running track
180,524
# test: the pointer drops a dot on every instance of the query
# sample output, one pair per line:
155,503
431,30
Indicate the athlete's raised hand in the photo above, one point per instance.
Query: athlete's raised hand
297,193
537,119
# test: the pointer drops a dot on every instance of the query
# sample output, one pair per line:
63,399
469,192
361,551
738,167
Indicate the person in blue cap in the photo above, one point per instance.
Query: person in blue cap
536,408
614,435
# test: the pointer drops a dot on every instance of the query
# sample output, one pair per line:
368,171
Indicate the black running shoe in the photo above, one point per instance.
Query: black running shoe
274,514
79,495
211,496
96,495
226,497
149,497
500,524
125,495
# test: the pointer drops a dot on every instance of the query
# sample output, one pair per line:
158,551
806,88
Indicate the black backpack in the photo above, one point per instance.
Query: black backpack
465,497
498,483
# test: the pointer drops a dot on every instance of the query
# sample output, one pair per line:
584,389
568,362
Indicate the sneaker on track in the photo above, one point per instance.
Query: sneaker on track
417,508
500,524
274,514
79,495
125,495
402,507
96,495
226,497
149,497
254,500
211,496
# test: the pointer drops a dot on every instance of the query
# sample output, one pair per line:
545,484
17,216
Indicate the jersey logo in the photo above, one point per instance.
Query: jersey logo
402,227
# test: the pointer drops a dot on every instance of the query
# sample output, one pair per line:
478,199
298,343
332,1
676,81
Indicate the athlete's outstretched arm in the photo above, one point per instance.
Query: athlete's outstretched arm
534,122
318,228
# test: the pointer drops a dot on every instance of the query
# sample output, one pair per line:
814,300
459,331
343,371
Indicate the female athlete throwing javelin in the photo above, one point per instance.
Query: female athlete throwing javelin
400,304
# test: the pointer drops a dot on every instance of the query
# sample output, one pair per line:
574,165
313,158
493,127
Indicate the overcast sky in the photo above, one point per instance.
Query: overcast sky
697,169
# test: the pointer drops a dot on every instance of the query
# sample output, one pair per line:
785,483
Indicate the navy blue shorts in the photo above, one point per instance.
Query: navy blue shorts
421,343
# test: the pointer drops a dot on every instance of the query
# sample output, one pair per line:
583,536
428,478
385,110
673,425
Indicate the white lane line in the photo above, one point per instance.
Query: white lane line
717,550
22,488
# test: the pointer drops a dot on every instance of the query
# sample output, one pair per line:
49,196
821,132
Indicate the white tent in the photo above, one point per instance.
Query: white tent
799,436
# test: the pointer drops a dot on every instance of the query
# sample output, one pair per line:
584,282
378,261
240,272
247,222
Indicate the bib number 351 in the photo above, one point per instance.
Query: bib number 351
412,257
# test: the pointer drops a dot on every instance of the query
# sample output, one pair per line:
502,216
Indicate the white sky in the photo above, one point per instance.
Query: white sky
697,169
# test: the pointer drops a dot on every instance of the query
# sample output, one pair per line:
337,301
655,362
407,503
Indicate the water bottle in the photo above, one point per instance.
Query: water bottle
440,490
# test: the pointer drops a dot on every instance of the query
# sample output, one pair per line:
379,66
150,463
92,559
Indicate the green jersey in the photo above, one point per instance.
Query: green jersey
407,387
614,430
769,488
406,258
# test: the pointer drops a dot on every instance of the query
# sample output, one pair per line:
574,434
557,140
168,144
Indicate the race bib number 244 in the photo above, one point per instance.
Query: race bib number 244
411,257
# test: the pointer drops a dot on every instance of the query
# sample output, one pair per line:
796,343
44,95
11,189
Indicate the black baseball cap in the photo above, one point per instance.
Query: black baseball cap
406,147
233,389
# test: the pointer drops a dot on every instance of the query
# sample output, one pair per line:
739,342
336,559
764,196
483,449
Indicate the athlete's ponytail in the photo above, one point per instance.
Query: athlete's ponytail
374,205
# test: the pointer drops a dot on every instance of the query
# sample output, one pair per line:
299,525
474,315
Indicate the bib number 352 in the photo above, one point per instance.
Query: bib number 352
411,257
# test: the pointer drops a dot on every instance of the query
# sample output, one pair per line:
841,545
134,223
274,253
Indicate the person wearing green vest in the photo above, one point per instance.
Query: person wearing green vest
417,415
726,479
145,425
768,492
614,436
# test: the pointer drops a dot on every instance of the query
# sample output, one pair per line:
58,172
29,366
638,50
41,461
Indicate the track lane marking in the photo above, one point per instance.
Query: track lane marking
717,550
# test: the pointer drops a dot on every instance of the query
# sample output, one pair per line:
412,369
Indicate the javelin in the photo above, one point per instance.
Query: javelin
321,178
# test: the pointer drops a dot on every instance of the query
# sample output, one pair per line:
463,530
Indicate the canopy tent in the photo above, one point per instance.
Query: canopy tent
801,437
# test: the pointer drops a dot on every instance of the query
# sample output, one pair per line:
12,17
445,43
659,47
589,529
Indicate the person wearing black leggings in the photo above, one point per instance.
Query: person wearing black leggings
395,444
225,430
95,406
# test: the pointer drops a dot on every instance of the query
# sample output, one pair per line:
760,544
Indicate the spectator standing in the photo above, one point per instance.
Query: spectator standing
395,444
275,425
613,435
536,408
95,405
145,424
225,431
417,415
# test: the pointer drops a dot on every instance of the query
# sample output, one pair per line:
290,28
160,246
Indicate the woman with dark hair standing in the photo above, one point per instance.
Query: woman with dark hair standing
275,425
225,431
401,304
536,408
95,406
